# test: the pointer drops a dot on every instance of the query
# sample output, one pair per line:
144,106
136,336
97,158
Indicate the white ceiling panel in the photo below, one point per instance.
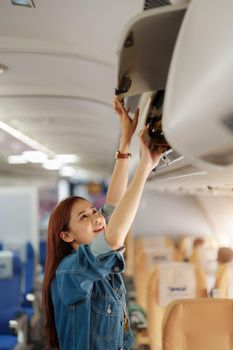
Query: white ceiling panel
58,88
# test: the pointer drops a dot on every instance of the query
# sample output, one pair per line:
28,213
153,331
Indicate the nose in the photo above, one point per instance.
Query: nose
96,219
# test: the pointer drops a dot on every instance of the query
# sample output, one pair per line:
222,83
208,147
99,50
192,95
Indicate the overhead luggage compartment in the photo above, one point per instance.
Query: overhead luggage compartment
145,50
187,52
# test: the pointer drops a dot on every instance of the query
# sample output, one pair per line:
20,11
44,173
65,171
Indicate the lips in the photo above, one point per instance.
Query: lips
99,229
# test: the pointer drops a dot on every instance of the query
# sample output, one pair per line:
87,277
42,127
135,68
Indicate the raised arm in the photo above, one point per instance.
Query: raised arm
124,214
119,179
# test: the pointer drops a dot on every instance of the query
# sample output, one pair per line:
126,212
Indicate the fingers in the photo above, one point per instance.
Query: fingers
119,107
114,104
136,116
128,124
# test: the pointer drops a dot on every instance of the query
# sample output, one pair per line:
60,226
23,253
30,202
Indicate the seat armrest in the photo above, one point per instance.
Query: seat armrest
19,327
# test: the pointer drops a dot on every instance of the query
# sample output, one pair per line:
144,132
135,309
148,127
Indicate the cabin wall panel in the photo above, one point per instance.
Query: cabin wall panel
19,214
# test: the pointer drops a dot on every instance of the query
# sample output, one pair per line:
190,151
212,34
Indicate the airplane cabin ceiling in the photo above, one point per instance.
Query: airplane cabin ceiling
61,59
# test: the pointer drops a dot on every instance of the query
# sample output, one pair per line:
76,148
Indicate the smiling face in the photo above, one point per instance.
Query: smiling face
85,223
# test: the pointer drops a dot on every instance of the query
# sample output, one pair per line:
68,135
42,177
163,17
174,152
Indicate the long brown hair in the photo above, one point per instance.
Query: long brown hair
57,249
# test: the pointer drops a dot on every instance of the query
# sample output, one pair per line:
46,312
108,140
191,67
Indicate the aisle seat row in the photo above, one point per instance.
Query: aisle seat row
20,298
12,313
161,277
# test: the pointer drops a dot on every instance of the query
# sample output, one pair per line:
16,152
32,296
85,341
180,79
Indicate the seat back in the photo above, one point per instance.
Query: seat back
168,282
144,242
206,258
10,293
145,262
198,324
26,253
129,255
185,248
224,281
42,253
176,281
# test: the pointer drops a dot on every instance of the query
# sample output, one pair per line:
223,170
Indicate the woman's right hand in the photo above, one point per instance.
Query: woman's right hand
149,158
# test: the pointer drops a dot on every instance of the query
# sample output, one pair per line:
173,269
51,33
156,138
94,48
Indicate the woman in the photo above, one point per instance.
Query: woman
83,291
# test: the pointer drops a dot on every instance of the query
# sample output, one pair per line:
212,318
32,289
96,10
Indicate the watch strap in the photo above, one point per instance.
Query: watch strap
119,155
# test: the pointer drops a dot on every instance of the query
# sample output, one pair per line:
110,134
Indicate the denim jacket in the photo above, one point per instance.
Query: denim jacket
88,295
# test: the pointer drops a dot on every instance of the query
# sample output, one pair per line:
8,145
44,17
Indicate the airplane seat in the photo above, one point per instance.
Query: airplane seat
198,324
42,253
129,255
158,242
128,275
205,257
27,258
168,282
29,272
185,248
223,287
143,242
10,301
145,262
8,342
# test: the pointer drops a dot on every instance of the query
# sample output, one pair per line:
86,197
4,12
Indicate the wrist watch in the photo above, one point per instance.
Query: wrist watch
119,155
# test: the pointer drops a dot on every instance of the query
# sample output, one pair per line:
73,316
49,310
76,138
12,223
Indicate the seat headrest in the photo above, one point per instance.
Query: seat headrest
208,259
225,255
158,241
159,255
6,264
177,280
198,324
230,280
24,249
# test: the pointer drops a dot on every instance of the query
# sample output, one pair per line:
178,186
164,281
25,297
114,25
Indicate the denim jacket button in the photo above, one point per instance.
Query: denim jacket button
116,269
109,310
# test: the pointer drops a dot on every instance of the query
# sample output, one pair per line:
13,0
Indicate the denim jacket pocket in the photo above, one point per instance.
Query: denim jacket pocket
106,317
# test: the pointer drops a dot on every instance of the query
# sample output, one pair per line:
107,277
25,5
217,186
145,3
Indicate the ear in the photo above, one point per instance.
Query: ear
66,236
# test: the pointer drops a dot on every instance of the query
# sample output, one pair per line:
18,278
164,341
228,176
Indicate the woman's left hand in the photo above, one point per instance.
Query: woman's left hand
128,125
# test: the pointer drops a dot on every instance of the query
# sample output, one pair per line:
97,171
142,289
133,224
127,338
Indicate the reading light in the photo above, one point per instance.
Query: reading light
25,3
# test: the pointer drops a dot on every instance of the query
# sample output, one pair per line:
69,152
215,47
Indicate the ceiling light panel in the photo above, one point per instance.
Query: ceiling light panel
67,158
35,156
16,159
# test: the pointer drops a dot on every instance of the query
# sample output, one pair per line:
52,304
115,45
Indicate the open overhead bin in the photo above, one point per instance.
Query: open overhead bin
188,52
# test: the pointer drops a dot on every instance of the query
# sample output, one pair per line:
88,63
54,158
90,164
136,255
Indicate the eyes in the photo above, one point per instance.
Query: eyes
93,212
